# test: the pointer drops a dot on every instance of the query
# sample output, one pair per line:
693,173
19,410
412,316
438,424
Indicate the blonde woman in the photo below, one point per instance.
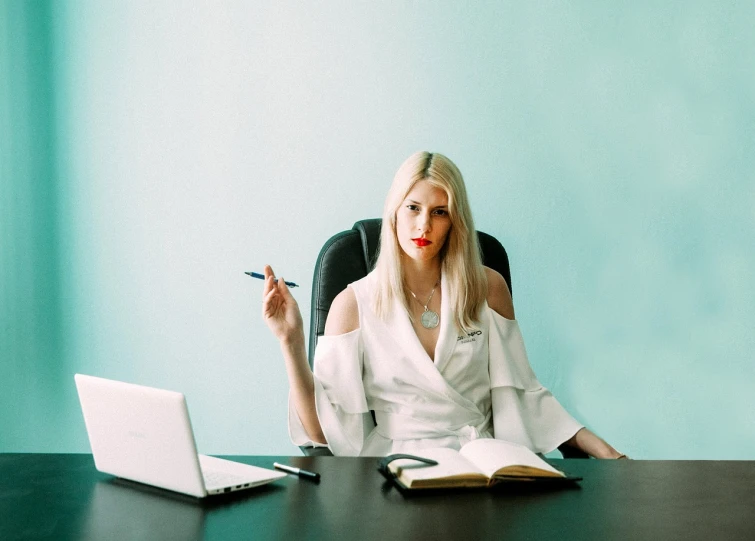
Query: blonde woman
427,341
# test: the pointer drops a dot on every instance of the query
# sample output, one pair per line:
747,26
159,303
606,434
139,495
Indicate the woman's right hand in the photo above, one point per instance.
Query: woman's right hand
280,310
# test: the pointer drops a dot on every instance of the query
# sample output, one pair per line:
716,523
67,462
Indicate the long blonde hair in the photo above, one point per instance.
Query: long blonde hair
461,260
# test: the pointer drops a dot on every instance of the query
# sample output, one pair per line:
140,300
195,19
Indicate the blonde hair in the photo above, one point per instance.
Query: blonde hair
461,260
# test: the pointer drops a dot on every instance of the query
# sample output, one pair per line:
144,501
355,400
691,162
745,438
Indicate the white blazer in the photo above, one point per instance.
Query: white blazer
481,385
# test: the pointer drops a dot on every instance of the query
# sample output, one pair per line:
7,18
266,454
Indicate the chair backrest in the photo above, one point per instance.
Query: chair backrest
350,255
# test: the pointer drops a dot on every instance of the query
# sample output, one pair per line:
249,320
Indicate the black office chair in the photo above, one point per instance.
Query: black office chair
350,255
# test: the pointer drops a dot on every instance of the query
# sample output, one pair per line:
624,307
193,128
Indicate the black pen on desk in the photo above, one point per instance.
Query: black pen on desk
297,471
262,277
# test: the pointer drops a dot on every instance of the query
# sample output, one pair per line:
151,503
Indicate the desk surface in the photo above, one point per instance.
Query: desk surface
57,496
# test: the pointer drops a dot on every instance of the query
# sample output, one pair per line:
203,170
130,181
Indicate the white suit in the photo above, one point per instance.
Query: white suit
480,385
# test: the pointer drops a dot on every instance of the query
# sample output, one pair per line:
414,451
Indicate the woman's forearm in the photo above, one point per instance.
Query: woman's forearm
592,445
302,386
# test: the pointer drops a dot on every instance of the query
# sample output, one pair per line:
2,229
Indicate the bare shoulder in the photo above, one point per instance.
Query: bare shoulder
343,315
499,296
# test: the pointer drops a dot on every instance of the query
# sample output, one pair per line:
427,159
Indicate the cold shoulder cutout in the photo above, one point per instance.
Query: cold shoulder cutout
343,316
499,297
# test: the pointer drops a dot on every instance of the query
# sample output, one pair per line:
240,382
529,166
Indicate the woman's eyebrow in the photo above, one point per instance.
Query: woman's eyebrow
418,203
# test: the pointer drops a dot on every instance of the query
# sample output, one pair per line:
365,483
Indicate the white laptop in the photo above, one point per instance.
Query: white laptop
145,435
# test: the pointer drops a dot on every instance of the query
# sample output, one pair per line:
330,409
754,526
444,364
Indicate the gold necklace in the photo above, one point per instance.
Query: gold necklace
430,318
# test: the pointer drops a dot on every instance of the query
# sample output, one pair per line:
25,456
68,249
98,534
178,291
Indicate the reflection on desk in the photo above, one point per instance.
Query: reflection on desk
122,510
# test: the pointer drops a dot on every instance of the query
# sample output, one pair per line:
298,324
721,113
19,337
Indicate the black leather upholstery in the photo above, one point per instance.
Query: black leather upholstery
350,255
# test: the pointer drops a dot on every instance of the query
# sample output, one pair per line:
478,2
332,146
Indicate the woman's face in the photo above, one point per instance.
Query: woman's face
423,222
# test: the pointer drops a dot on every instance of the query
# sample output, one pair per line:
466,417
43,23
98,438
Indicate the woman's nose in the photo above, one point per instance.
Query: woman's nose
425,224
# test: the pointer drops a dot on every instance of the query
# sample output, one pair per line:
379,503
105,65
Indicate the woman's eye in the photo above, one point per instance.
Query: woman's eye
412,207
441,212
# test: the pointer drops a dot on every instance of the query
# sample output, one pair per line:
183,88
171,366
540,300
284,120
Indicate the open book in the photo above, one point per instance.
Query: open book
479,463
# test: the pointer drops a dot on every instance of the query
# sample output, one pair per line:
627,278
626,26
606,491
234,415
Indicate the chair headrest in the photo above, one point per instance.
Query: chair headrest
369,231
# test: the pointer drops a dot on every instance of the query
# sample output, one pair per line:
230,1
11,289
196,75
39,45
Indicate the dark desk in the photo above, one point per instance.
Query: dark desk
63,497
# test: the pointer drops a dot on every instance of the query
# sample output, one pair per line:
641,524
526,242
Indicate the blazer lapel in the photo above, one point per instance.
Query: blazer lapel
414,363
448,333
409,344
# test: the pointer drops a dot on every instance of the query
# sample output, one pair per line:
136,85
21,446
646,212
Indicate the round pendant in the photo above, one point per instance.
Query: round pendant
430,319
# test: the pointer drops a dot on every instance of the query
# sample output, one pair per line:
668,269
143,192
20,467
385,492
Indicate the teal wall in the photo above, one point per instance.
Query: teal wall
150,153
33,395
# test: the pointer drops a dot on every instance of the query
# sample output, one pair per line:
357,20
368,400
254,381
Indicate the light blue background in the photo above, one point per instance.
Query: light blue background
150,152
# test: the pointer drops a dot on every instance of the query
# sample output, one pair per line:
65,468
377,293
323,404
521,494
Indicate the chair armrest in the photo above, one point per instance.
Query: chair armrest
567,451
315,451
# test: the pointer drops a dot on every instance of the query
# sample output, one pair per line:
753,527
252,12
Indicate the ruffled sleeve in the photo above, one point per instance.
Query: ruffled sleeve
339,396
524,411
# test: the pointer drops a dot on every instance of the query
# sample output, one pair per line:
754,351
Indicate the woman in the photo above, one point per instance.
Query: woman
427,341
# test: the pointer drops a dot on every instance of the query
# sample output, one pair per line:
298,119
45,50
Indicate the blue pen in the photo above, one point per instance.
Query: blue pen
262,277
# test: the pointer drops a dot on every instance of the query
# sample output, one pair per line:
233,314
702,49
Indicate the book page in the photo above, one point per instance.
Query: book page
450,464
490,455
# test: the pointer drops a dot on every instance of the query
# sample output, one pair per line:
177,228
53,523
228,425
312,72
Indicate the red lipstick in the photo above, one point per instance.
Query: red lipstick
421,242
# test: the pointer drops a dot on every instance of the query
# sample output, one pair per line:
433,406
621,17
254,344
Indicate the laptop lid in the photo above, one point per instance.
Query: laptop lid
141,433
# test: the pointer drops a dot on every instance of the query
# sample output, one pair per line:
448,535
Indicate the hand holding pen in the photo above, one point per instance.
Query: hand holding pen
262,277
281,314
279,308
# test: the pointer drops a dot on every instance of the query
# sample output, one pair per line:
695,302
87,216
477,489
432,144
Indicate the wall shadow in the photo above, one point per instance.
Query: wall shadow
32,362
